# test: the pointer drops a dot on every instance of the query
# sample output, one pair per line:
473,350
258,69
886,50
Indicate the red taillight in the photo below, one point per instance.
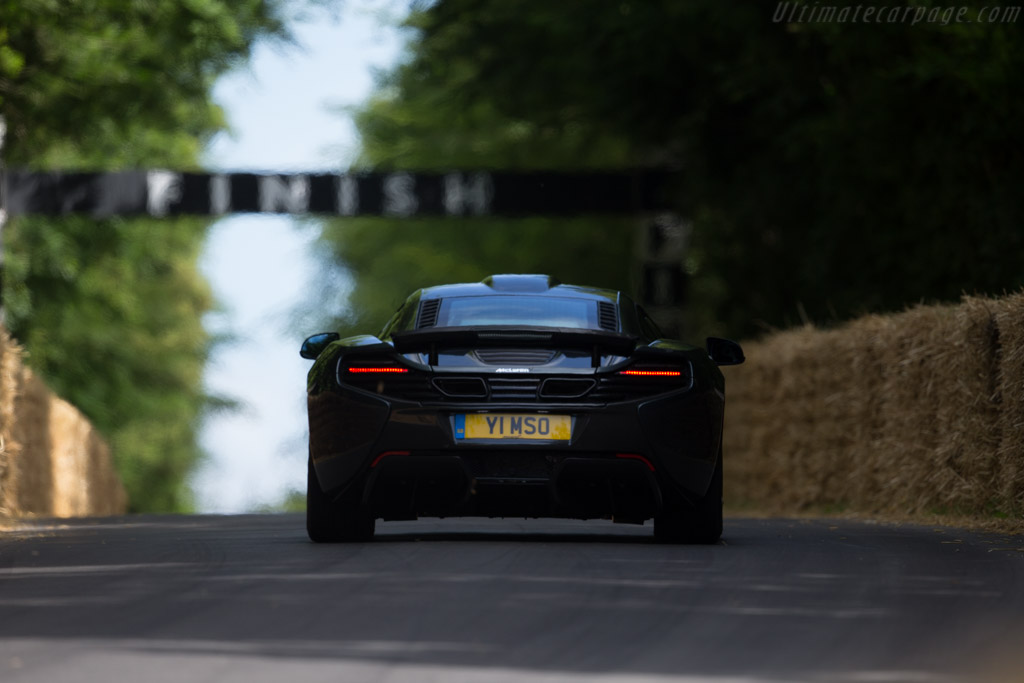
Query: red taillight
378,370
384,455
636,456
651,373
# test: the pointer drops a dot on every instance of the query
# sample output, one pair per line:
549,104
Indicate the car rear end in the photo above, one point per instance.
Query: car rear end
517,396
534,431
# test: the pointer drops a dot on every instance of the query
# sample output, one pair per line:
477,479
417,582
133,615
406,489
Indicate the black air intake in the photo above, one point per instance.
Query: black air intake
513,389
514,356
428,313
606,317
461,387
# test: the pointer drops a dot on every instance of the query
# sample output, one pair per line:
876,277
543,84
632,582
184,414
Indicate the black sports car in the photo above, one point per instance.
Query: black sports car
516,396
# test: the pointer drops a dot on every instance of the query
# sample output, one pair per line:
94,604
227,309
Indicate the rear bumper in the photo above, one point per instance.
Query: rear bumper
406,461
510,484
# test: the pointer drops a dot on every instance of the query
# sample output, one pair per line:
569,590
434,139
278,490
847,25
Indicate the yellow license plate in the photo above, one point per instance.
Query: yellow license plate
513,426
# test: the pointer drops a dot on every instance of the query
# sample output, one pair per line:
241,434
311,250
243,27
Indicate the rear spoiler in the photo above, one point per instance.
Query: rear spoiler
430,339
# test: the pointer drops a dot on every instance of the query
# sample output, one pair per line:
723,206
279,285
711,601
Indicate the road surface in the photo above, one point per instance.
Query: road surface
249,599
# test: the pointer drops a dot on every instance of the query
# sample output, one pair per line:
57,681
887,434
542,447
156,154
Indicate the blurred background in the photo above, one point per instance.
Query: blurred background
826,169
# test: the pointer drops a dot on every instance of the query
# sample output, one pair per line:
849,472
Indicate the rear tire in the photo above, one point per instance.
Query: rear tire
339,520
700,524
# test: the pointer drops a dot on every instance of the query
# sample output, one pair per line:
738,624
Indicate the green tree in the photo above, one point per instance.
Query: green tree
116,83
416,120
110,311
829,168
389,259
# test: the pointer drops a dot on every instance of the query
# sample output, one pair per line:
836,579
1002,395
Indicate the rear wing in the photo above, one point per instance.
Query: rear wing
598,342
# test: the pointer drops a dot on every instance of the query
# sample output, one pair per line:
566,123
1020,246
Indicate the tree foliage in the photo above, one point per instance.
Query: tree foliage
389,259
829,168
103,83
110,311
416,120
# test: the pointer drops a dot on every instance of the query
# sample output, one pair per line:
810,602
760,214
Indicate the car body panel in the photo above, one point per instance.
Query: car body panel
383,410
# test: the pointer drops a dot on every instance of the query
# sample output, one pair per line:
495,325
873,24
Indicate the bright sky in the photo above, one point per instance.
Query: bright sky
282,112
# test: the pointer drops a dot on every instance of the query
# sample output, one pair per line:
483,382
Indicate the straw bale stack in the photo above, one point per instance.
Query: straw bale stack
32,481
10,365
1009,461
53,462
914,413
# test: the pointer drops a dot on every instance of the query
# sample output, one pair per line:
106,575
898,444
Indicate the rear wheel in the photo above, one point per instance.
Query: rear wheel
700,524
338,520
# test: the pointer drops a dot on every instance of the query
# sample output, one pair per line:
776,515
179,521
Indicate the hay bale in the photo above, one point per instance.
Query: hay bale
849,416
34,487
10,364
862,358
69,460
53,461
766,432
970,410
934,428
912,413
1009,467
908,392
749,423
106,491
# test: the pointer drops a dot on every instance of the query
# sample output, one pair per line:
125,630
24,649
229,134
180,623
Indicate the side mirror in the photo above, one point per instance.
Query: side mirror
315,345
725,351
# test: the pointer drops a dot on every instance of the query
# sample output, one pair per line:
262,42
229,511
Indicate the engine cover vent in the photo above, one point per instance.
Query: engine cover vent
606,316
513,389
514,356
461,387
428,313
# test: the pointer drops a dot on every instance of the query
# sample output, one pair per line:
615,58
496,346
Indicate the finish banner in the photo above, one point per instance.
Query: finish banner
400,194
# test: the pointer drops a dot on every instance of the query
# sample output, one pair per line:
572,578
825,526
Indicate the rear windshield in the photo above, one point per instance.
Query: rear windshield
543,311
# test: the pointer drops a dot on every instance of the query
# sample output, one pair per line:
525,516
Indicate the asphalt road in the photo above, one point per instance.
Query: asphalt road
248,598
